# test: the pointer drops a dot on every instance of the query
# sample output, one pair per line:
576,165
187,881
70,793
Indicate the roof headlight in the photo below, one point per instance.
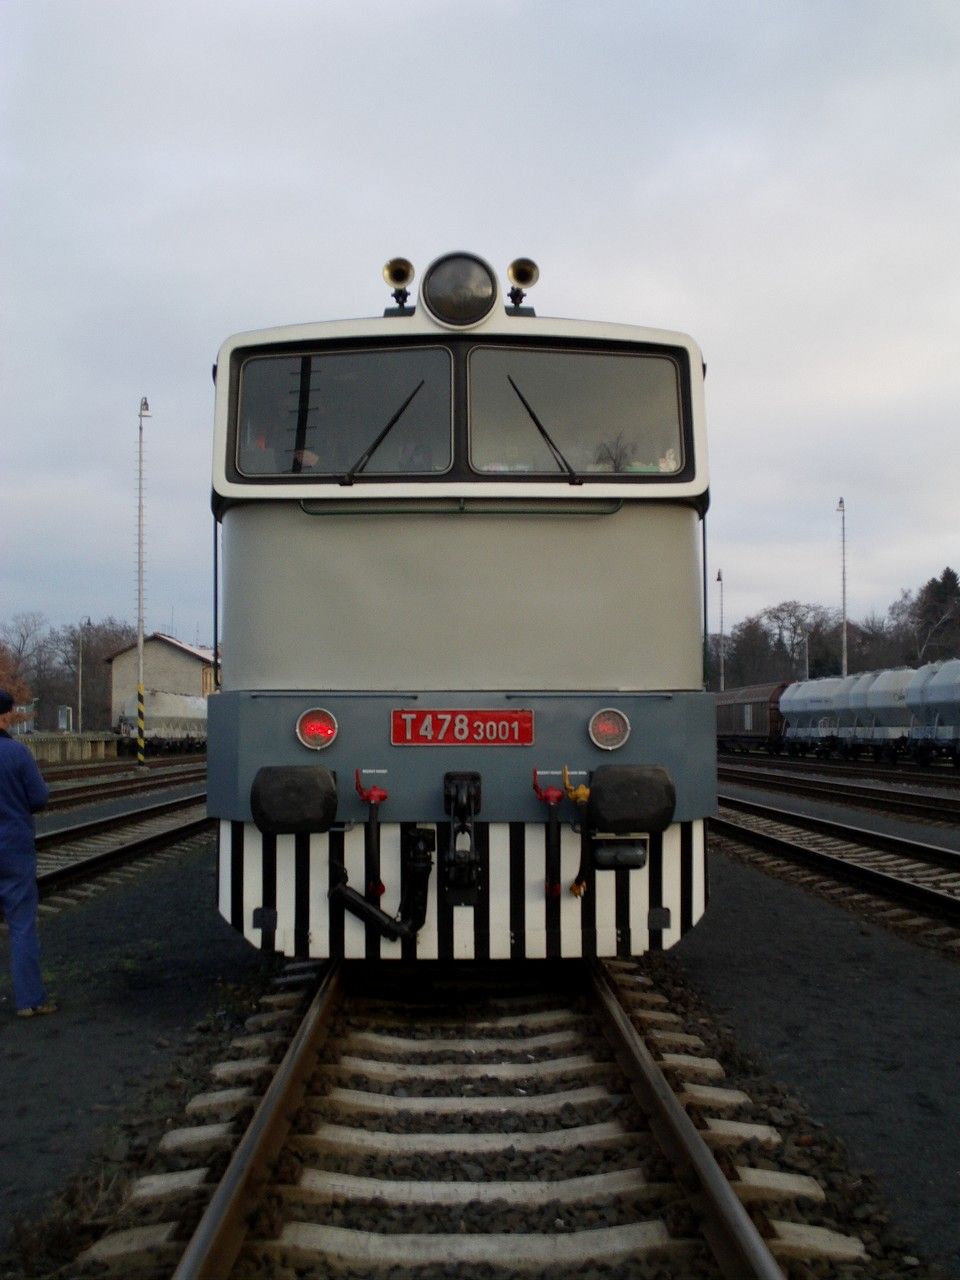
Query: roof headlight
459,289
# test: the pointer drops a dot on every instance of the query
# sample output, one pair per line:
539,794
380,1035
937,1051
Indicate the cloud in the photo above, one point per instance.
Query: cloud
782,182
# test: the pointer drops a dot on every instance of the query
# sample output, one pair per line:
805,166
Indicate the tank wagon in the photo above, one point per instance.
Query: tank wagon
173,722
892,714
461,712
888,719
857,720
934,701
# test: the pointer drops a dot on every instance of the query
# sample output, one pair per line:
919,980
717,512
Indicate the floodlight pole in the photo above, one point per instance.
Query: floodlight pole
80,679
88,623
843,584
141,740
720,580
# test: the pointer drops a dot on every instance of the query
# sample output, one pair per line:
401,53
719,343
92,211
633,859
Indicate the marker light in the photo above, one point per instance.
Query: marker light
459,289
608,729
317,728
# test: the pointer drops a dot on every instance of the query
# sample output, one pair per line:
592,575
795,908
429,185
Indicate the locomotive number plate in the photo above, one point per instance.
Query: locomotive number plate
454,728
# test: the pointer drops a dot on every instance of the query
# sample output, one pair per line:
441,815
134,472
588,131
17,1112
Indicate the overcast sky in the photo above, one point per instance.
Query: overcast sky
780,179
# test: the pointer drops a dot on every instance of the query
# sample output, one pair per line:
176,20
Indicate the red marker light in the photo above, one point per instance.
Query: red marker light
317,728
608,729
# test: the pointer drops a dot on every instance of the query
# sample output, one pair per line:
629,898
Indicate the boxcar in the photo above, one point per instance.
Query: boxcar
749,719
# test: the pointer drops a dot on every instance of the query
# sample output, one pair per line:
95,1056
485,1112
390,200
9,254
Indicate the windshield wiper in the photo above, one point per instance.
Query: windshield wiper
367,454
558,457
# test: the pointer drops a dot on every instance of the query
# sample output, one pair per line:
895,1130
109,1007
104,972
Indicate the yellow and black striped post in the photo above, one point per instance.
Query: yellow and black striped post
141,742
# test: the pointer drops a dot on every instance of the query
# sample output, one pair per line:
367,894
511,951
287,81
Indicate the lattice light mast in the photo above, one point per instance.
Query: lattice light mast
141,741
843,585
720,580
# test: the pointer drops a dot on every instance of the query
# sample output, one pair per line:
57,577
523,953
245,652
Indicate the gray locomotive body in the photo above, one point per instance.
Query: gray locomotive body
461,711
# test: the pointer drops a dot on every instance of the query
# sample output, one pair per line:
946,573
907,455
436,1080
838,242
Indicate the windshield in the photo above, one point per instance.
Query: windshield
345,413
574,412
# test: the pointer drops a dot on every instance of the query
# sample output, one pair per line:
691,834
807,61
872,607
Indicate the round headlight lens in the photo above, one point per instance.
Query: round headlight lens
317,728
608,729
459,289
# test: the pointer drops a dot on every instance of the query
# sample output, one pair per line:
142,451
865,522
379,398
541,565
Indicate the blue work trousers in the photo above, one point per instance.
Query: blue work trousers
19,899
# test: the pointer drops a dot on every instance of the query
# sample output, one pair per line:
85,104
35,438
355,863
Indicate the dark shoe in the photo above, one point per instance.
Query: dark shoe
36,1010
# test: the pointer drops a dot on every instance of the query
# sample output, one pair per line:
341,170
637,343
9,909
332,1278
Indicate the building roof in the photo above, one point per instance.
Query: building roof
199,652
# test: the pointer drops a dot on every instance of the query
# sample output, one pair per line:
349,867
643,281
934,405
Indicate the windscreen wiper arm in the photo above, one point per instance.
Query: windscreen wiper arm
368,453
560,460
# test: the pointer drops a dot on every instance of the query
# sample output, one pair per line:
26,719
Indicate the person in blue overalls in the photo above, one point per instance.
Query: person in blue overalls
22,792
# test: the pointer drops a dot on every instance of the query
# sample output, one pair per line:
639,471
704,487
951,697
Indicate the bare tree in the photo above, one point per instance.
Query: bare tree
796,627
931,618
42,663
89,643
10,680
24,637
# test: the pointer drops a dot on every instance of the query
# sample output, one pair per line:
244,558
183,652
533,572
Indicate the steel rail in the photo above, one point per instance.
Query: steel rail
932,901
737,1245
933,854
104,768
923,805
66,797
219,1235
909,771
57,878
82,830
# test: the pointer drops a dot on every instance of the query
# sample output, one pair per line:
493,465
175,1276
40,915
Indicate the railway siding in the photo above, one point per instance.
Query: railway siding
906,885
936,803
74,862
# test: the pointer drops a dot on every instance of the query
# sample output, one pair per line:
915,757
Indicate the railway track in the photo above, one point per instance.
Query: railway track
83,850
924,877
944,776
916,804
70,794
491,1127
54,773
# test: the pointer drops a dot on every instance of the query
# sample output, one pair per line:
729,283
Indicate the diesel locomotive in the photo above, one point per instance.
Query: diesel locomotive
461,711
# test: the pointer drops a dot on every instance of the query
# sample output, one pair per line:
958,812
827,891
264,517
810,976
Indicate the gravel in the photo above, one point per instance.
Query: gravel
858,1023
152,985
